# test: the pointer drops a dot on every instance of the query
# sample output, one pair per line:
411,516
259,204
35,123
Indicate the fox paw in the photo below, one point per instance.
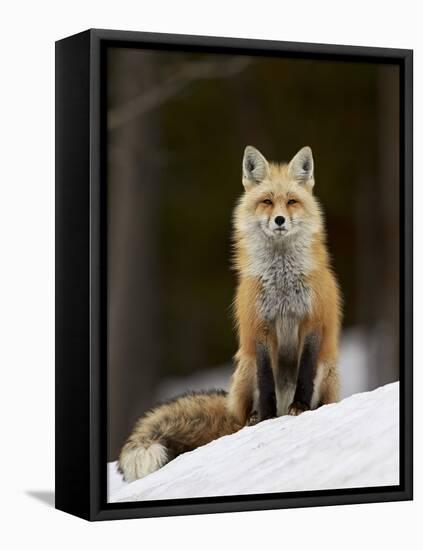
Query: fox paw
253,420
296,408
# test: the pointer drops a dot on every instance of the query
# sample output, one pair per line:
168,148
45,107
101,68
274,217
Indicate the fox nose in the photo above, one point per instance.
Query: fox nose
279,220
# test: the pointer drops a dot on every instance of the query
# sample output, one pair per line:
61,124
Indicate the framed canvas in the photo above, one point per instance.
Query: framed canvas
233,274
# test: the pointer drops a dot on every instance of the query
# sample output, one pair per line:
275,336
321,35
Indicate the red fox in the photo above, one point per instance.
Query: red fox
287,304
287,312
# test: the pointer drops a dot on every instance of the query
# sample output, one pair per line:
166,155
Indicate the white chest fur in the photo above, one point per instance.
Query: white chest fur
284,300
285,294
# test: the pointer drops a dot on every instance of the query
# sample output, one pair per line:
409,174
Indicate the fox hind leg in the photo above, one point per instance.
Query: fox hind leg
330,385
240,396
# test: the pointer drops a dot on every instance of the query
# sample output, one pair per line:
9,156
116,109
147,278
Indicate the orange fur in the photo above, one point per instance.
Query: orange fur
195,419
278,184
177,426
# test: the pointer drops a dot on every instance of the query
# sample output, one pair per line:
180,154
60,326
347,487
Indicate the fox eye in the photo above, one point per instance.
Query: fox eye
292,201
267,201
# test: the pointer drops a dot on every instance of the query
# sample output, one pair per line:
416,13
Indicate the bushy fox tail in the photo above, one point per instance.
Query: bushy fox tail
173,428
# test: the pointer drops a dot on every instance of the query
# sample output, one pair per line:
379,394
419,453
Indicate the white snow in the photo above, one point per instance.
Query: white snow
354,443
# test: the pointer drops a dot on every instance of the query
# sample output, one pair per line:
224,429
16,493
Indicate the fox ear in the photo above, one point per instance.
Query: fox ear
301,167
255,167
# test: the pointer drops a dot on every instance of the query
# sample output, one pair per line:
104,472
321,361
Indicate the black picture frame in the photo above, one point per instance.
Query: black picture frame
81,285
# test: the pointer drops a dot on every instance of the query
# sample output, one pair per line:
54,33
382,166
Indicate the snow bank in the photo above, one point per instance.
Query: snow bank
354,443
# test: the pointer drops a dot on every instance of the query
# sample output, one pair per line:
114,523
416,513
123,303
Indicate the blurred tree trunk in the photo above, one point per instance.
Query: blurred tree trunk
133,187
389,131
377,214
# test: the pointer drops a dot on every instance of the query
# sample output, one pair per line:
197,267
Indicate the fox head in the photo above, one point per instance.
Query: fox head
278,203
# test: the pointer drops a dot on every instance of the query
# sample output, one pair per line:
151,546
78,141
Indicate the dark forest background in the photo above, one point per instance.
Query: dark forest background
177,127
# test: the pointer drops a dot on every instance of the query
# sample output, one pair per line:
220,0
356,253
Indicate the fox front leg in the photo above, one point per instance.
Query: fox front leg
306,375
265,384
